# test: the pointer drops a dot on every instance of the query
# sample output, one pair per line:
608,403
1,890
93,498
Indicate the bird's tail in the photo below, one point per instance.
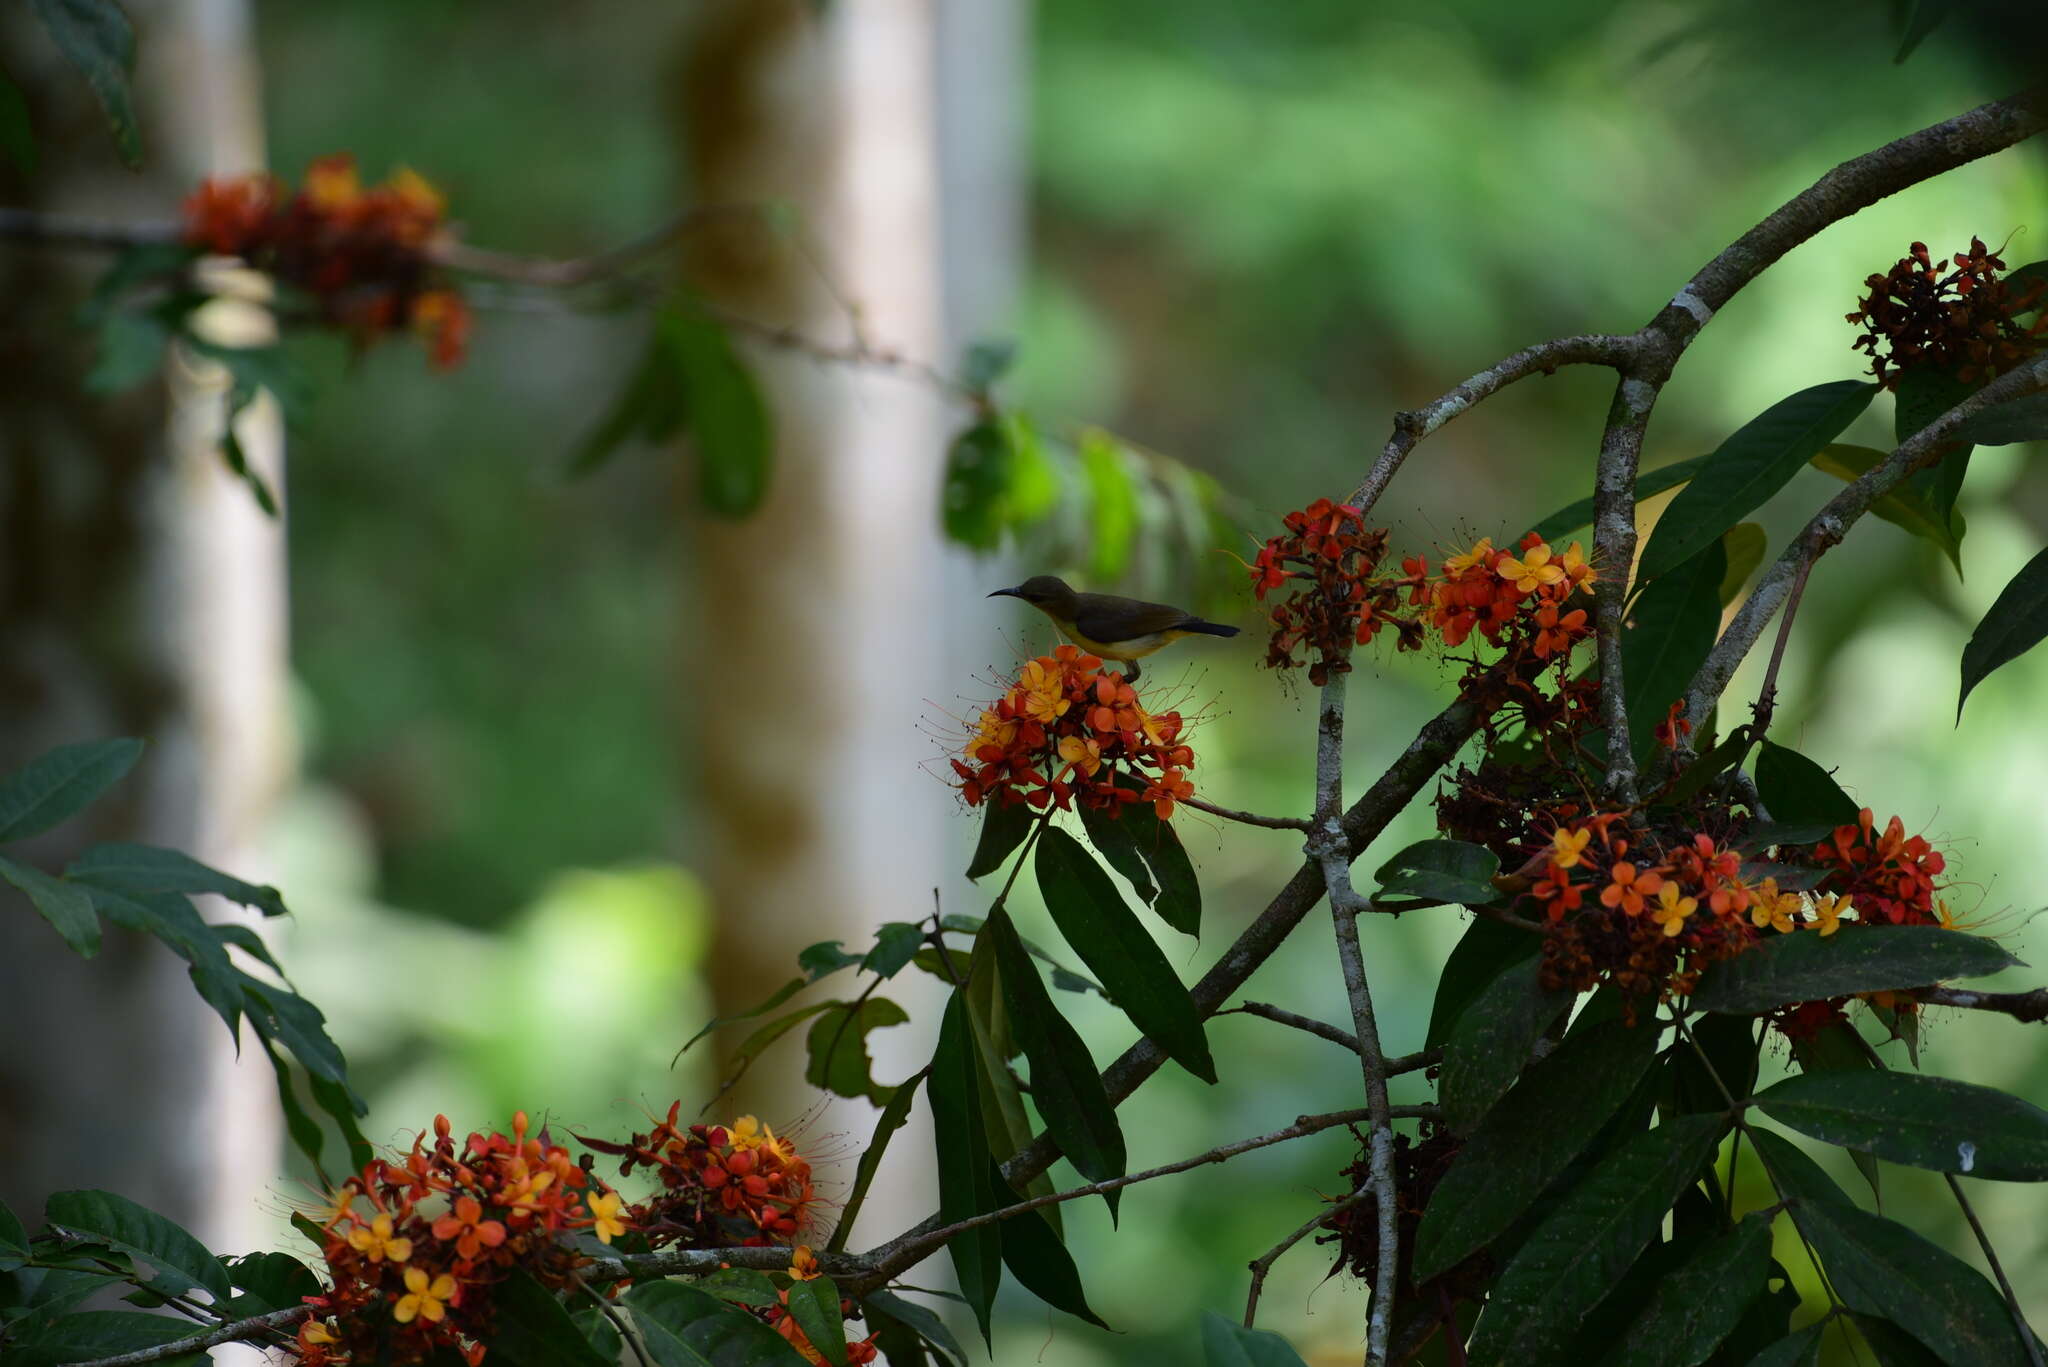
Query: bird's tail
1208,628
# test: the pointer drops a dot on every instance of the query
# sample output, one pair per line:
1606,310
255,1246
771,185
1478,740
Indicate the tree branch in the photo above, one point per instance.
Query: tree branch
236,1331
1833,521
2028,1007
1263,1264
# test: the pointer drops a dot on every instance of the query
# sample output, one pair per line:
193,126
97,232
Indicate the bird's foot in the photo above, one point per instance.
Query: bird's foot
1130,671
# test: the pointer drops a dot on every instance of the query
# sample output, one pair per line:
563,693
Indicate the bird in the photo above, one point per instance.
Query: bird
1120,629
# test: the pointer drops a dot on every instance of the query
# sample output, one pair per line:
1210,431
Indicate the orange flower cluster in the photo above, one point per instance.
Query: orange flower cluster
721,1185
414,1248
1067,728
361,253
1526,591
1337,601
1962,323
1890,877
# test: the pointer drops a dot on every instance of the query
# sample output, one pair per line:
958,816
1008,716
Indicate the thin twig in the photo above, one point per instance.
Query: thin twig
1263,1264
1767,696
2031,1007
2012,1302
619,1324
237,1331
569,272
1277,823
1281,1016
96,234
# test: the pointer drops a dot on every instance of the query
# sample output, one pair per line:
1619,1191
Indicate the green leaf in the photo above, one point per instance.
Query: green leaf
987,360
815,963
2015,625
728,416
1891,1345
2005,424
651,406
1795,789
1807,966
60,784
1475,961
1571,1260
741,1286
1700,1304
1905,506
145,868
97,39
1917,1120
838,1047
1039,1261
973,505
1883,1269
95,1334
1579,513
1115,946
341,1104
68,909
891,1120
1766,835
1430,873
1674,623
1003,828
283,1015
17,134
1178,895
182,1262
599,1332
531,1326
1486,1050
1744,545
1113,505
1525,1143
1837,1046
1730,1049
919,1320
1749,467
1923,396
1112,840
1065,1085
966,1188
1800,1350
299,1123
13,1238
270,1281
896,944
1226,1343
814,1305
1921,20
683,1327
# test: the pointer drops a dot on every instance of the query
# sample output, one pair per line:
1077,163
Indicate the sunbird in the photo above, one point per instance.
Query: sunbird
1120,629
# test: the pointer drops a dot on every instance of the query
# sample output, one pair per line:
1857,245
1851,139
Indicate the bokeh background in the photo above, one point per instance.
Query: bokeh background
1239,235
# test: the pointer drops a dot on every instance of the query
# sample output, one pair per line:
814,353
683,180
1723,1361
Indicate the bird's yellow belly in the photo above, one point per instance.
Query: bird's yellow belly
1137,647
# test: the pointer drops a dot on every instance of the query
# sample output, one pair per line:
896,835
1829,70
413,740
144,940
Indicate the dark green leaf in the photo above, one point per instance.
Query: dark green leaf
182,1262
131,350
1924,17
1491,1041
1697,1306
1905,506
17,135
532,1328
838,1048
61,783
919,1320
1039,1261
1579,514
974,498
728,416
1673,625
683,1327
1744,546
283,1015
1807,966
1178,899
299,1123
68,909
1800,1350
1749,467
1003,828
814,1305
145,868
650,407
1891,1345
891,1120
1091,914
1766,835
1719,1063
1475,961
1112,502
1524,1143
1570,1261
1432,872
741,1286
1112,840
1923,396
1838,1045
2015,420
95,1334
1226,1343
966,1188
599,1332
824,957
97,39
2015,625
1065,1085
1885,1270
1795,789
274,1281
13,1238
1920,1121
896,943
817,961
342,1105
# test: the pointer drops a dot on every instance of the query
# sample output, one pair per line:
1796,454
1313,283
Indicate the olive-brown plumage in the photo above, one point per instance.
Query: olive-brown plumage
1120,629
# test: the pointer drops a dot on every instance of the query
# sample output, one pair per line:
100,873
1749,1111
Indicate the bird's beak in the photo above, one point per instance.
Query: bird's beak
1006,593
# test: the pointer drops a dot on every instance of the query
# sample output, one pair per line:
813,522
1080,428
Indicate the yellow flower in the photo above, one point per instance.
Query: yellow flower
803,1264
749,1133
604,1211
1083,753
1575,567
1568,846
1533,570
1670,909
1828,910
376,1242
1773,908
416,192
424,1299
317,1331
331,183
1045,692
1481,551
993,730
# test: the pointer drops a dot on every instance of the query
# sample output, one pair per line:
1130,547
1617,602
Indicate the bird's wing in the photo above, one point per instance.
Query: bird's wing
1105,617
